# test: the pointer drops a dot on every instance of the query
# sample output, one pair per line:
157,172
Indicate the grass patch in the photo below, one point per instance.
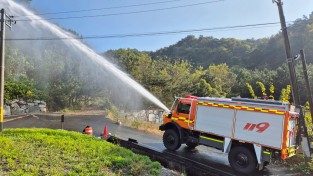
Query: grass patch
58,152
65,110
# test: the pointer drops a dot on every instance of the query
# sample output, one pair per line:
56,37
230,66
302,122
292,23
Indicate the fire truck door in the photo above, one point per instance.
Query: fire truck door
182,113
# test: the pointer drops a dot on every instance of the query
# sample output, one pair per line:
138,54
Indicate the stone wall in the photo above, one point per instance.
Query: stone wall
155,116
19,107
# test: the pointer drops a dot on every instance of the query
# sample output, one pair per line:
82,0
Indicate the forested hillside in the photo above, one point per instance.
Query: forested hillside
169,78
250,53
203,66
207,66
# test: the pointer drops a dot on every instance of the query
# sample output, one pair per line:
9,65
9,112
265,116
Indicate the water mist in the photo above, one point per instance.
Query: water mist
41,27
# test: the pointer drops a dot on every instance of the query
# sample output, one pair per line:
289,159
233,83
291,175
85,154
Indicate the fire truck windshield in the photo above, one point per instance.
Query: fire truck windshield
183,108
174,104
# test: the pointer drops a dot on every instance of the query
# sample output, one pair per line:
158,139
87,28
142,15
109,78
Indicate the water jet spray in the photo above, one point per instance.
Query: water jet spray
83,49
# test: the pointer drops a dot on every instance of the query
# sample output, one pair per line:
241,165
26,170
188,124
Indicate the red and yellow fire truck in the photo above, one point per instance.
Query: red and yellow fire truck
251,131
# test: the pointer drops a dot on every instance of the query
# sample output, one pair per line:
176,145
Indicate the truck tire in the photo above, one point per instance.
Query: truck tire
242,160
171,140
191,145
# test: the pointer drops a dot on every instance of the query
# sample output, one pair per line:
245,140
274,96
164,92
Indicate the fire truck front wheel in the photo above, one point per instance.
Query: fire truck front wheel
171,140
242,160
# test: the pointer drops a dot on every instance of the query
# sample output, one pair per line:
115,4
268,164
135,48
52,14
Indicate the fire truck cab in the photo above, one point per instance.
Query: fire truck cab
251,131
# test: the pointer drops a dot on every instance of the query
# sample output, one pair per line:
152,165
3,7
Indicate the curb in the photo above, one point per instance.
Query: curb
10,118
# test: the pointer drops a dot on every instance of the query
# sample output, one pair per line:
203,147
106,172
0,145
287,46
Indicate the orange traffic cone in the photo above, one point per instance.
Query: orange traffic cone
105,131
88,130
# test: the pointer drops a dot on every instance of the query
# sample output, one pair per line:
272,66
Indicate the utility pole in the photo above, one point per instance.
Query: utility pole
4,23
2,68
307,83
309,96
293,83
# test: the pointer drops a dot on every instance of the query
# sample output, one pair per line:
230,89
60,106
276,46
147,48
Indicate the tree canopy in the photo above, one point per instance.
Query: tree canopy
251,53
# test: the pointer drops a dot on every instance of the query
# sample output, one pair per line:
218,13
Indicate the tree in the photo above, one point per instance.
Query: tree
22,89
221,79
285,94
263,89
202,88
251,91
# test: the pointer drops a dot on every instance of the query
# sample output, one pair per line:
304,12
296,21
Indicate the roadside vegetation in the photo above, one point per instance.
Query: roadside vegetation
299,165
58,152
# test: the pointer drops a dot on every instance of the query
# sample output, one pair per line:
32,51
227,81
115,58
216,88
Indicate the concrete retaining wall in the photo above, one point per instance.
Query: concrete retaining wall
20,107
155,116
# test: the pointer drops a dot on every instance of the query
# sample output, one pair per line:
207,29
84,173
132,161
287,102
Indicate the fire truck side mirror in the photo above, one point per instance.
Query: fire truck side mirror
169,115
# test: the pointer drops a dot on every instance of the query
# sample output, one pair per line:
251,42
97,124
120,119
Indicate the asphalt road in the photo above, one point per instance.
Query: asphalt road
205,155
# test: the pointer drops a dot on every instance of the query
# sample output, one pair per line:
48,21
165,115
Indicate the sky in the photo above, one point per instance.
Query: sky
123,17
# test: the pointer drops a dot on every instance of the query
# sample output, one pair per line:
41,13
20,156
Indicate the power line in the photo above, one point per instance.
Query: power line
103,8
123,13
154,33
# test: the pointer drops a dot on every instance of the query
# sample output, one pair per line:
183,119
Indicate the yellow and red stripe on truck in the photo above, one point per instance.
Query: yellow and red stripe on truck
247,108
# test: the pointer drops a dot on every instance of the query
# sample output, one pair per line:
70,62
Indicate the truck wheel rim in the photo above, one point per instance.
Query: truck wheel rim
170,139
242,160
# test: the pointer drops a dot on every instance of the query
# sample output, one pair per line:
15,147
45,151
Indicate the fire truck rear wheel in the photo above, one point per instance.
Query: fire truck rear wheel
242,160
171,139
